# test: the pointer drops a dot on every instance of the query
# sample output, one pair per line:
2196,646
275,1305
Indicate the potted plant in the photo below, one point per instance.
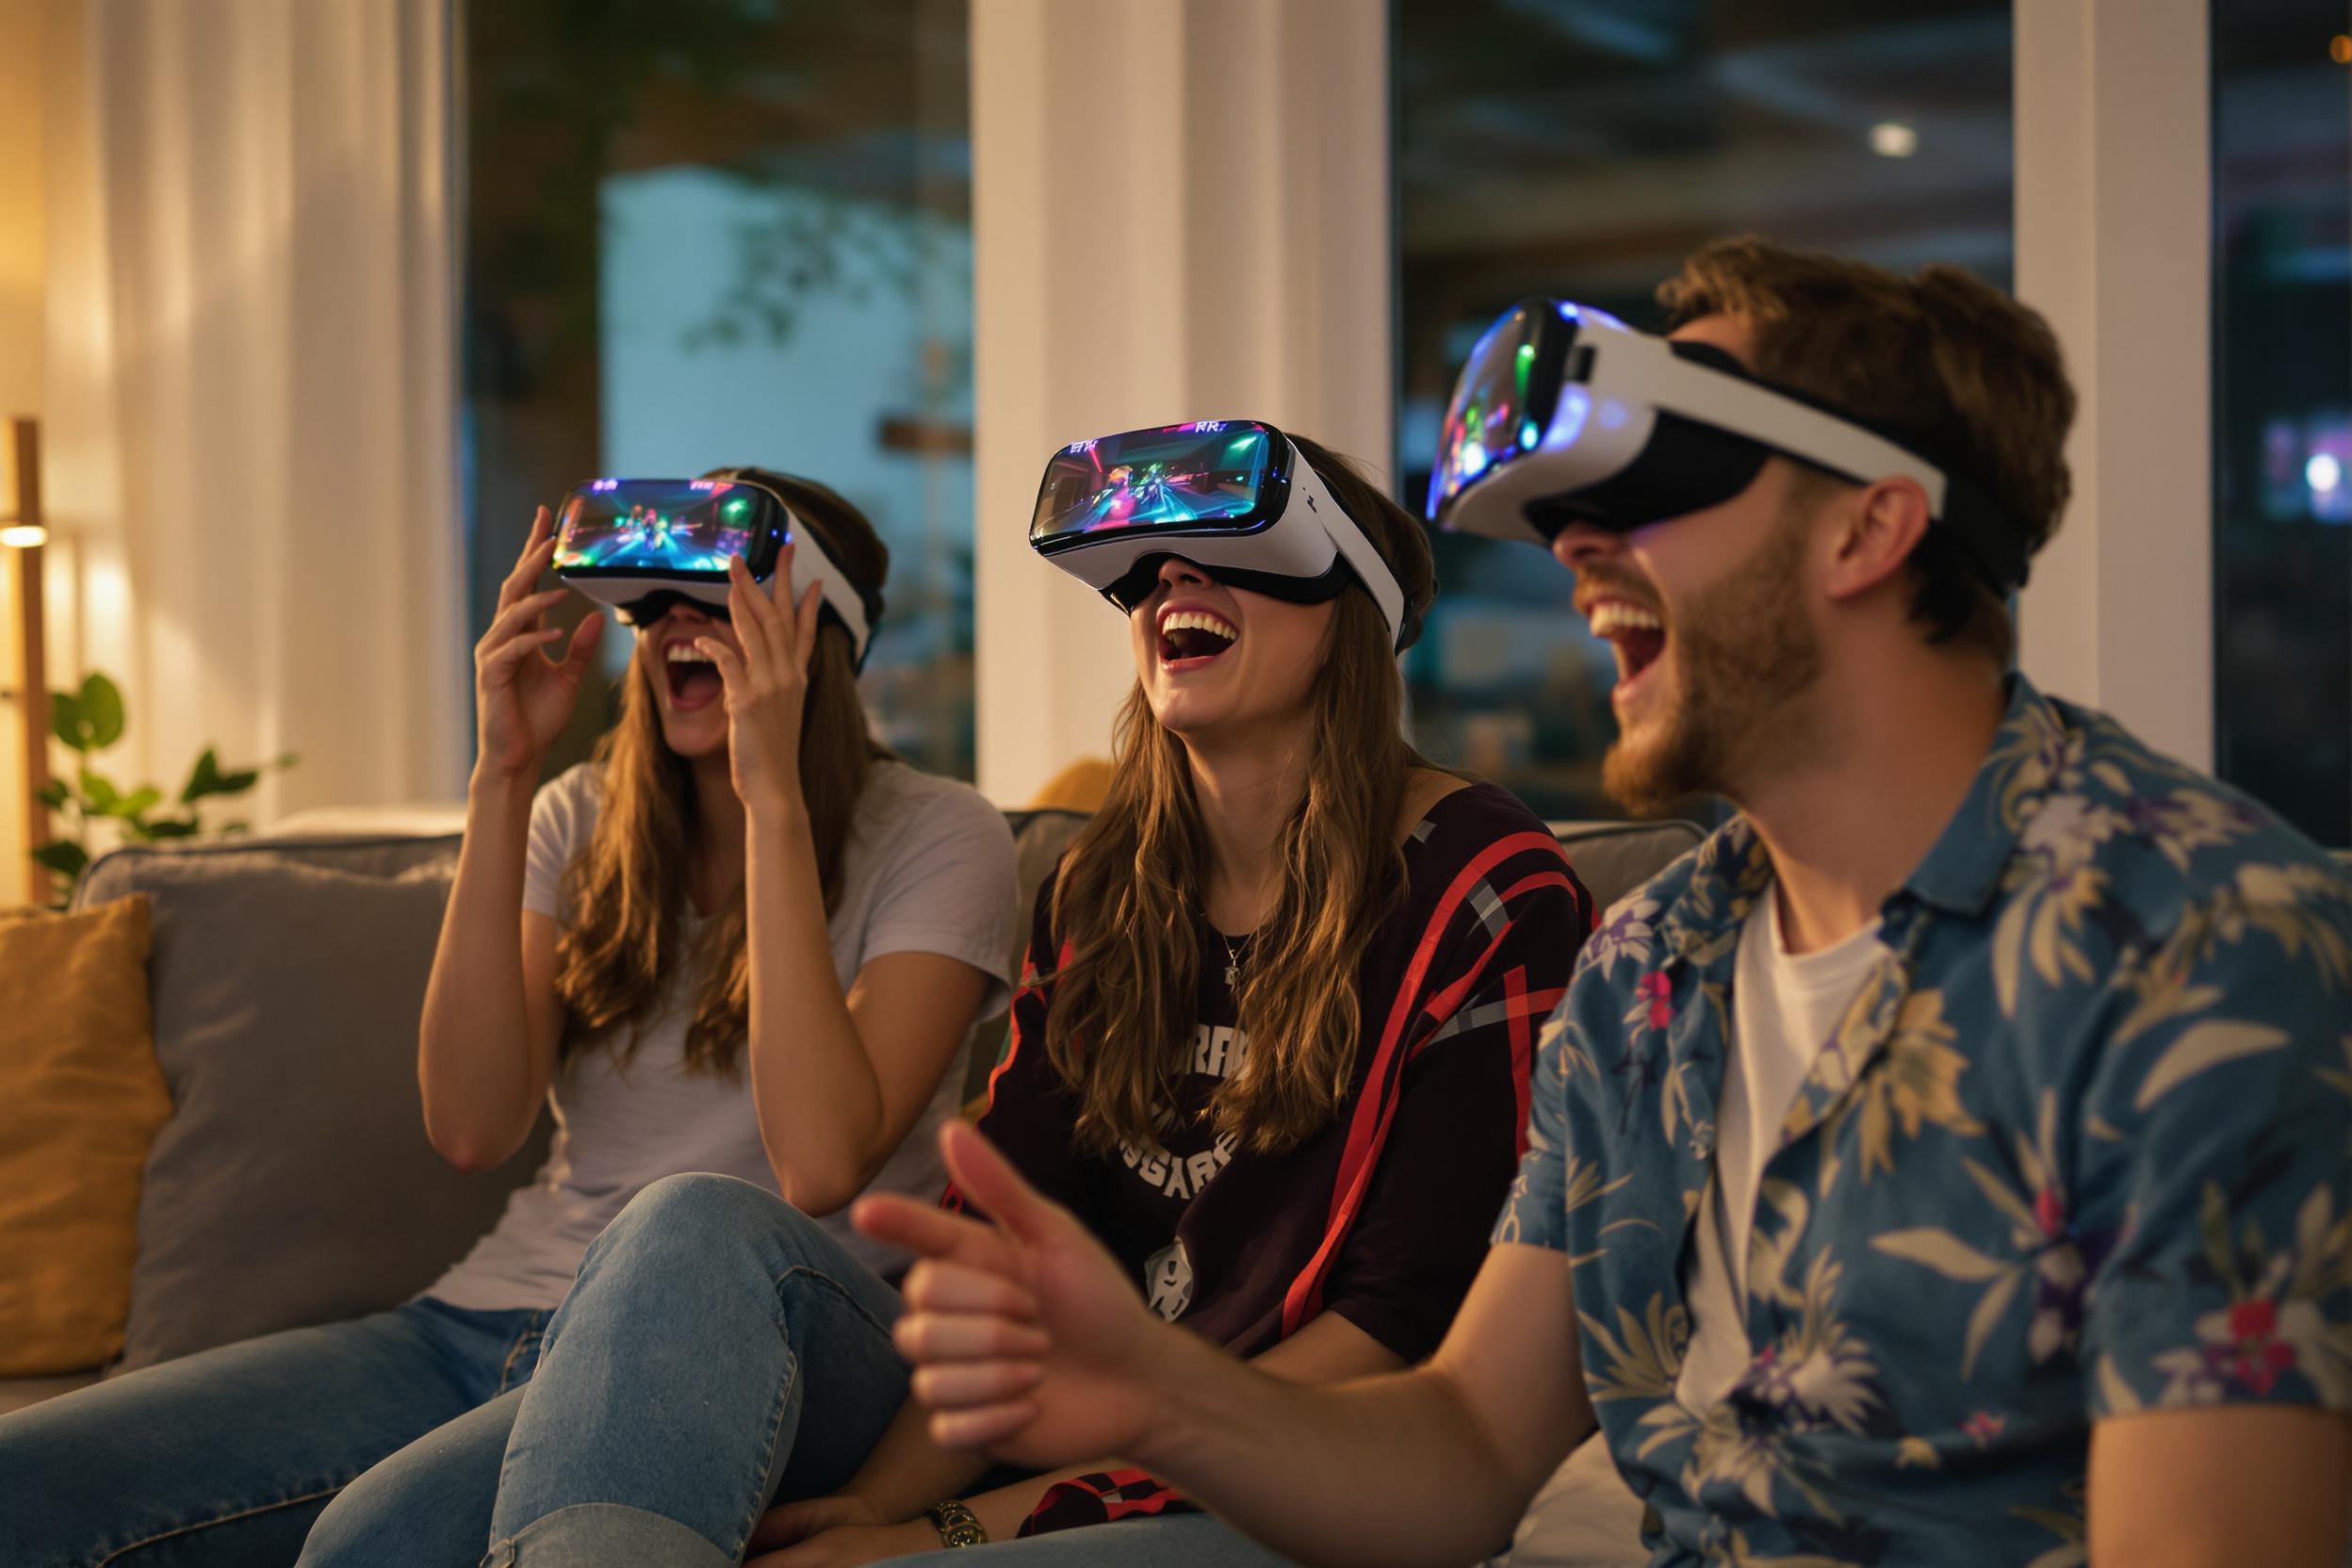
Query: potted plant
87,722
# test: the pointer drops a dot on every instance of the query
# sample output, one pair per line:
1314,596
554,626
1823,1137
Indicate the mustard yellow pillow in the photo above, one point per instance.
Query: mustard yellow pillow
80,1099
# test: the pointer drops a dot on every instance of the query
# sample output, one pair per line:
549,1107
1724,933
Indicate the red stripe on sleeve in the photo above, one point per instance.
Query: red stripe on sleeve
1376,1106
1012,1018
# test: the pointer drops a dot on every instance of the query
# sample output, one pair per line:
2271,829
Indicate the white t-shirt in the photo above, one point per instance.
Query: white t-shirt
928,869
1784,1009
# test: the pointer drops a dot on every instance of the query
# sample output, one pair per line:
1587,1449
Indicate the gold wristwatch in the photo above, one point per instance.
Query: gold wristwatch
958,1525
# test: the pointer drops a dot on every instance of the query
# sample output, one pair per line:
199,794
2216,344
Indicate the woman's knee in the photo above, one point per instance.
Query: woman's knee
684,1225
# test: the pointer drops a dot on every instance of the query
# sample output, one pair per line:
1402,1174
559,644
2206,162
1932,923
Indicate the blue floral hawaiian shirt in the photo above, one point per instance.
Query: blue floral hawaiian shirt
2081,1146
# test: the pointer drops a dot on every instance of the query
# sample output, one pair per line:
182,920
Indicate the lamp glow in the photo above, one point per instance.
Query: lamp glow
2322,473
24,537
1892,138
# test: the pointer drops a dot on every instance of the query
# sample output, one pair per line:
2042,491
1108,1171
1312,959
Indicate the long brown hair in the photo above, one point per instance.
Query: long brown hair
1128,900
629,889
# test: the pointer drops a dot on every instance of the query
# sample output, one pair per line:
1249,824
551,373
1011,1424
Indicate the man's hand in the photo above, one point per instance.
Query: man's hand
1027,1339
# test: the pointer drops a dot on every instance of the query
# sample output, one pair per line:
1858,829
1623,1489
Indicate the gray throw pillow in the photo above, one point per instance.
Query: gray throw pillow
294,1183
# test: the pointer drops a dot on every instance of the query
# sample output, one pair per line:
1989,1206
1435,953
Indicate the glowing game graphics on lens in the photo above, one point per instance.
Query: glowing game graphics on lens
681,526
1207,471
1492,418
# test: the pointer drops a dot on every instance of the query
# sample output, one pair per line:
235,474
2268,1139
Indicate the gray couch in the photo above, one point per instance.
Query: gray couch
294,1183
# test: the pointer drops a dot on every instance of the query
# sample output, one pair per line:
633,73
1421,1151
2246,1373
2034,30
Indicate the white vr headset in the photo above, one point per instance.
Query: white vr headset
1234,497
1564,414
639,545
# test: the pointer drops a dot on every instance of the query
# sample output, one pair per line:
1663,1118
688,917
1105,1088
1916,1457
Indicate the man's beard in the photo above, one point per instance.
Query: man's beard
1743,652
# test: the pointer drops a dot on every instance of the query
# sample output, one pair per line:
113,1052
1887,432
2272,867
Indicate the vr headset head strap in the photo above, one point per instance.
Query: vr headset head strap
1708,385
1311,499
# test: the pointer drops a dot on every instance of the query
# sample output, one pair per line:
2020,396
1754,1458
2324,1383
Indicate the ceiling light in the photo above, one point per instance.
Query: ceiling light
1892,138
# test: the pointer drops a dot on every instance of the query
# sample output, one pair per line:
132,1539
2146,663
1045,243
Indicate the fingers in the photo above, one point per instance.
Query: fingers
804,626
982,1426
958,1336
790,1522
523,646
583,651
764,625
993,1286
974,1384
538,550
517,618
924,1228
731,674
989,1179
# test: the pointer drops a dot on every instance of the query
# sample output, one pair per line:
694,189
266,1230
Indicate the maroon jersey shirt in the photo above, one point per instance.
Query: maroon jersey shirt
1381,1216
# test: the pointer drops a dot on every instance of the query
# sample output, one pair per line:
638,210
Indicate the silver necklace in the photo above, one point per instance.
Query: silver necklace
1233,962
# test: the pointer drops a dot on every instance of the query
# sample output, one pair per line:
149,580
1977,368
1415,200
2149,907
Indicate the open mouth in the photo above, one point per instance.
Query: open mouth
1637,633
693,680
1190,638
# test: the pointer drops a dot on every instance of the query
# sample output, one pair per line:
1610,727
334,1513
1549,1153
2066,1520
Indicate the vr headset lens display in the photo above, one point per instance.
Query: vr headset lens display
1211,474
1234,497
1500,407
648,527
642,545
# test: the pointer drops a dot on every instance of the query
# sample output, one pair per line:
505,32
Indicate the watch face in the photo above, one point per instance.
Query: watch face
958,1526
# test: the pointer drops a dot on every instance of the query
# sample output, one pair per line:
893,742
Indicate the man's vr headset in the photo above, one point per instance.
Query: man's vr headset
1564,414
642,545
1234,497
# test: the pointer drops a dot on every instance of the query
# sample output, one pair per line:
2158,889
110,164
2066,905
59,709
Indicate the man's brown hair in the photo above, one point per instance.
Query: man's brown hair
1938,354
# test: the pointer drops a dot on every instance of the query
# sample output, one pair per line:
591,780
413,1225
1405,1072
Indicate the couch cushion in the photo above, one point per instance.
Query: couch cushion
1614,857
1038,839
294,1183
80,1100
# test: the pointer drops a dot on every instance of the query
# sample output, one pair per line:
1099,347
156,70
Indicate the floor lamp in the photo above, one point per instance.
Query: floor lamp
22,535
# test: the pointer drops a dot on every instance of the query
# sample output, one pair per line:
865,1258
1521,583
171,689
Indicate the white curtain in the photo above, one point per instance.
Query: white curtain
252,387
1265,293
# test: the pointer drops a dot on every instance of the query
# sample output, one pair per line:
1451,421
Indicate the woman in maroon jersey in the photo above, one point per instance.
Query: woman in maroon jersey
1272,1045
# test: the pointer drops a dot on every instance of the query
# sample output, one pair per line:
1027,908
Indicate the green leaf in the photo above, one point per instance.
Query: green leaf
1940,1251
166,827
101,711
133,807
99,793
64,857
65,720
236,783
2205,1045
203,779
285,760
52,794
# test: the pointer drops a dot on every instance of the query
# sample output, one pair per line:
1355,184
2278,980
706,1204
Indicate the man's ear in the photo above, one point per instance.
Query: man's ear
1877,529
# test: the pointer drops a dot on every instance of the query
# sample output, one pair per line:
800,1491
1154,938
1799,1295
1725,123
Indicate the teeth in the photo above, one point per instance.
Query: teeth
1197,620
1611,616
686,653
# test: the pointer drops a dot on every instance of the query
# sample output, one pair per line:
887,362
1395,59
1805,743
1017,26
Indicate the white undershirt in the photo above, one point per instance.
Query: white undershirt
1784,1009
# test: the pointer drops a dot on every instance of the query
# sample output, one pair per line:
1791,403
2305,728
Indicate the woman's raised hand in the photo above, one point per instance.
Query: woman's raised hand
522,698
767,685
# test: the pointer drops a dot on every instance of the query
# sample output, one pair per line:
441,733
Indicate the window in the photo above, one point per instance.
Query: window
709,232
2283,407
1582,148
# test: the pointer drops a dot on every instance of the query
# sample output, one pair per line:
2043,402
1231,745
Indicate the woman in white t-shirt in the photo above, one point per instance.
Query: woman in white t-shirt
744,939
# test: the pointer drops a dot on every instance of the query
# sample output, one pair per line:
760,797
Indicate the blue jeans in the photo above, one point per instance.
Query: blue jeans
720,1350
228,1458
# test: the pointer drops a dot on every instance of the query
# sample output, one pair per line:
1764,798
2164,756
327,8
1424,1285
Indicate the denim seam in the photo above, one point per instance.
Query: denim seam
524,1341
792,1376
223,1519
767,1453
